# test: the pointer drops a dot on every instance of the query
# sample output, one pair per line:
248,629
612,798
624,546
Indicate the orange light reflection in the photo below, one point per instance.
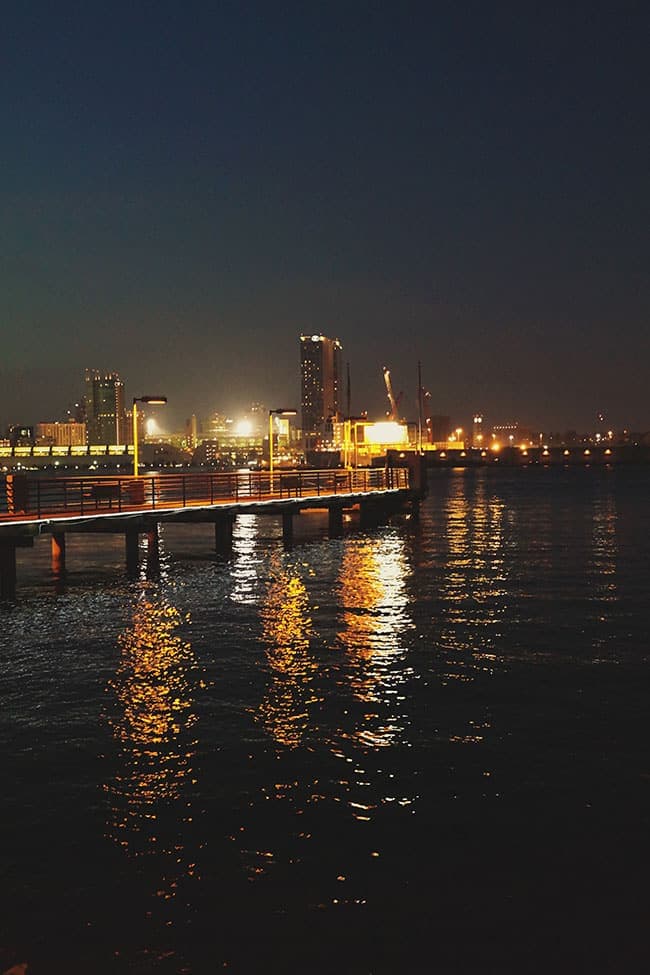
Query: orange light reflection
286,629
153,689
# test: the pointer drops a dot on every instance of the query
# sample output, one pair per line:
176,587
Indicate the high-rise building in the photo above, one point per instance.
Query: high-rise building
320,368
105,415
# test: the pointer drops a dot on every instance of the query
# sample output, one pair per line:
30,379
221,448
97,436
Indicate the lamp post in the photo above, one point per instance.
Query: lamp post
351,427
153,401
279,412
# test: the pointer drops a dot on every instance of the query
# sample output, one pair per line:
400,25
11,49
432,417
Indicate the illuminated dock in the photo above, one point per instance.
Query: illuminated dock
133,506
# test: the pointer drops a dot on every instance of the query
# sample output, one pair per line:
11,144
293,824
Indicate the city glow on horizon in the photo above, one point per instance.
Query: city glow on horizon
244,428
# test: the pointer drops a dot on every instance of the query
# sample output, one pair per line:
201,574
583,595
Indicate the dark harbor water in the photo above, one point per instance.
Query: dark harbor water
420,748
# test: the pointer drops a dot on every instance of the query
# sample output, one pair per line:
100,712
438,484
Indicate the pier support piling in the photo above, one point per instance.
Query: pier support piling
369,514
335,519
223,528
7,569
287,527
153,551
58,552
132,553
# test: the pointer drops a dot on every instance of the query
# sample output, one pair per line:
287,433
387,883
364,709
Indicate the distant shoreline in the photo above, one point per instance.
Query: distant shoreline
574,455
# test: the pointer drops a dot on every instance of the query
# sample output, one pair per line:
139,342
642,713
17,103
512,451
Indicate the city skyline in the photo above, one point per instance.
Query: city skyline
465,189
248,404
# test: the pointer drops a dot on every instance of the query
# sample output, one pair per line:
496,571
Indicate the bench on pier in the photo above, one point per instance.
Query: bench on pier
290,484
105,492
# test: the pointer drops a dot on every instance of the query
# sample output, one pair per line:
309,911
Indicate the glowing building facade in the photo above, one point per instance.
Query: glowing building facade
320,371
105,414
61,434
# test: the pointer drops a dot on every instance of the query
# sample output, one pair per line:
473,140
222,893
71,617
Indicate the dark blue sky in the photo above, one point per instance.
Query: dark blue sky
187,187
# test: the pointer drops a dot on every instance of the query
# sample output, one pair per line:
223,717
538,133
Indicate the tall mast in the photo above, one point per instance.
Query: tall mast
348,392
419,407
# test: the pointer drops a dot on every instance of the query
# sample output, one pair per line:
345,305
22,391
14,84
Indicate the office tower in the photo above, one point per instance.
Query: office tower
105,416
320,365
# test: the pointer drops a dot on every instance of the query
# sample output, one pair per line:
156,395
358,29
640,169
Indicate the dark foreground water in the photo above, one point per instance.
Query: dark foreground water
421,748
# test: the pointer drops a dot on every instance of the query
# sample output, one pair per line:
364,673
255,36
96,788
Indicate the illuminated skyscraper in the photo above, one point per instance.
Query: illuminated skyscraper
105,416
320,368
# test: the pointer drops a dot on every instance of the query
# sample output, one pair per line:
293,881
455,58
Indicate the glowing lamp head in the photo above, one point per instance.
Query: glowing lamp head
244,428
151,400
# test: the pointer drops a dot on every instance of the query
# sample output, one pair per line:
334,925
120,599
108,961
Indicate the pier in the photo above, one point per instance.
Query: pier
133,506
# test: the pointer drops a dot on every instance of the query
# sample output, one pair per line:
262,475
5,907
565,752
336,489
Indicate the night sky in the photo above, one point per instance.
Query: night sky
186,187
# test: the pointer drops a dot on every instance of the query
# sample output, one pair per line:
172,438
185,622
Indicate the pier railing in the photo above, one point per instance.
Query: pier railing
28,496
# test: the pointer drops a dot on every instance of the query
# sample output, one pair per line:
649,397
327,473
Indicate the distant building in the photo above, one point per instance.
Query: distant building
215,425
191,432
357,440
20,436
510,434
61,434
105,414
259,417
320,371
76,412
439,429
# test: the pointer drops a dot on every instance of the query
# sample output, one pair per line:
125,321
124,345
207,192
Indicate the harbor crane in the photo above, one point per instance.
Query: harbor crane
394,401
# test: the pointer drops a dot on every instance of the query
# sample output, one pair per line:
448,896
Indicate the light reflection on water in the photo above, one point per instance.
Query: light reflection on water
152,719
247,562
374,632
473,596
384,708
603,560
286,631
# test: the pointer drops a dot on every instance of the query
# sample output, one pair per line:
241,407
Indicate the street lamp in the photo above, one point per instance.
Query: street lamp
272,413
350,430
153,401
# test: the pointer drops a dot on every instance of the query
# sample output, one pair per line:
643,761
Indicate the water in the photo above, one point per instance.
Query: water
417,748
